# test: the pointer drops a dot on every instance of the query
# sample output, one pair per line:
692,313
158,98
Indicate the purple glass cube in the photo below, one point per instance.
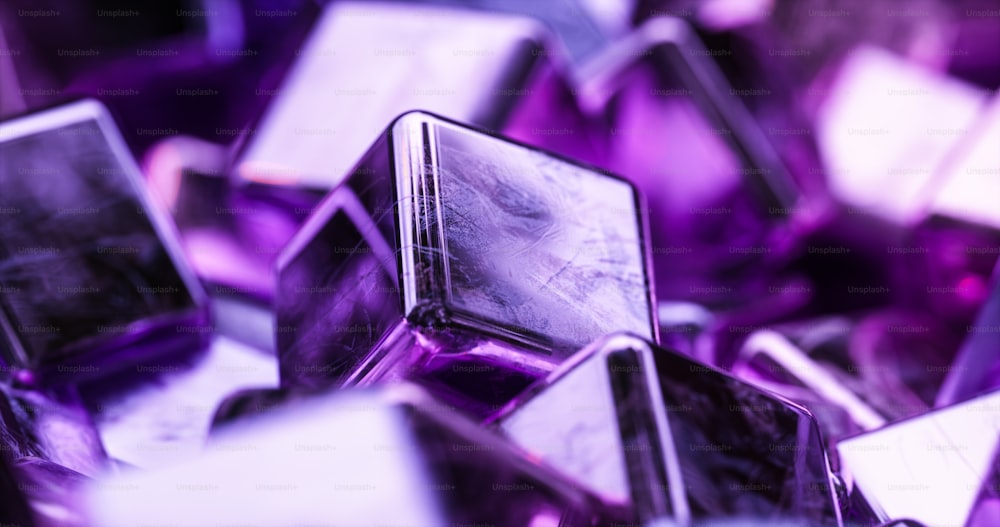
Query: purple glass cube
91,277
929,468
891,134
720,200
355,458
362,65
884,126
677,439
770,360
686,327
230,235
160,413
469,262
855,373
365,63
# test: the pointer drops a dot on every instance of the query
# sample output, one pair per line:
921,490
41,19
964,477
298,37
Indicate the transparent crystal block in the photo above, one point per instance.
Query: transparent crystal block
468,262
930,468
389,457
720,200
856,373
91,276
644,425
365,63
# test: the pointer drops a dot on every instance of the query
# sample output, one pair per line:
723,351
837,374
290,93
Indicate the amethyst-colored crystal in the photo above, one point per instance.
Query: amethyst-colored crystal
720,200
583,30
91,277
51,491
889,131
879,126
230,243
646,425
364,458
365,63
855,373
685,327
160,414
188,176
771,361
930,468
50,426
463,260
961,229
967,224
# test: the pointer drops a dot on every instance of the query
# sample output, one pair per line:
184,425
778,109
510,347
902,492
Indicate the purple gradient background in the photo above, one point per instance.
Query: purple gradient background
819,183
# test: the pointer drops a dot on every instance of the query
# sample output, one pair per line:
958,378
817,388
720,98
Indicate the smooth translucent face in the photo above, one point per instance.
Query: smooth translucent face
911,467
740,451
584,441
743,452
537,245
344,458
376,60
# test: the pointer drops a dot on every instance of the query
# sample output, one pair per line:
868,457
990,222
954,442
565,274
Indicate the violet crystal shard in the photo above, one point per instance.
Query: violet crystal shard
461,260
160,414
977,364
91,277
51,491
963,223
53,427
720,200
931,468
390,457
364,63
855,373
675,438
51,446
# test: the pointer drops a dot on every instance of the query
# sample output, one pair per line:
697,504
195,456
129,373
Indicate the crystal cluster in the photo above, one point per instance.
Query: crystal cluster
500,263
